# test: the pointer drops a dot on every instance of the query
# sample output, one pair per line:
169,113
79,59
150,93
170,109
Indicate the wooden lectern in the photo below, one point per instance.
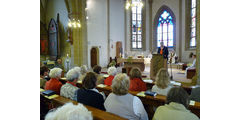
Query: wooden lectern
157,62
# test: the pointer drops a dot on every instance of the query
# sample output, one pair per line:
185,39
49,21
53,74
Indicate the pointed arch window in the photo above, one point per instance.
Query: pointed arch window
193,24
165,29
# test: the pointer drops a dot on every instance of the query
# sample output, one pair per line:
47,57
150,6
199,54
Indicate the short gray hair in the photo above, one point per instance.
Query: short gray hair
72,75
55,72
120,84
70,112
84,69
112,71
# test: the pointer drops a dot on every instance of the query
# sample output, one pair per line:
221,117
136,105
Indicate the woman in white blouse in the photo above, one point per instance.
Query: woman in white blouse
121,103
162,84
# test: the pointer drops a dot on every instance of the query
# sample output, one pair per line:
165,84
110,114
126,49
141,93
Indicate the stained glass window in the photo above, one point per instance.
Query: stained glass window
136,24
165,29
193,24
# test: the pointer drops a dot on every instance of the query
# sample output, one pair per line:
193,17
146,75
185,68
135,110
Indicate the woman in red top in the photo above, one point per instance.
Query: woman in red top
54,84
136,82
112,71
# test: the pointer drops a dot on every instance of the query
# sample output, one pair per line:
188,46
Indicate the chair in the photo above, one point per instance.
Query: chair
191,73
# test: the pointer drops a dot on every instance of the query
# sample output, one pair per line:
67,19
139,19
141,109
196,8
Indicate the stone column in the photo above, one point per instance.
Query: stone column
150,25
198,42
77,12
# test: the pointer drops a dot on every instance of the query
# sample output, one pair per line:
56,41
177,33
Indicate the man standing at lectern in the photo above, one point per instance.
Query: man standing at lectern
162,50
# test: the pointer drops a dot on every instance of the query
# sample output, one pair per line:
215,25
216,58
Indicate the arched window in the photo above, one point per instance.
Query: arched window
193,24
136,24
165,29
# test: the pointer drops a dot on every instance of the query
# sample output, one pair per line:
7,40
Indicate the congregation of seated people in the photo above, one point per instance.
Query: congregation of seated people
119,102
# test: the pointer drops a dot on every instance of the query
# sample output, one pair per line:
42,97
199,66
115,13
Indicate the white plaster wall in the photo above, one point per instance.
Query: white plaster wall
97,29
185,53
116,25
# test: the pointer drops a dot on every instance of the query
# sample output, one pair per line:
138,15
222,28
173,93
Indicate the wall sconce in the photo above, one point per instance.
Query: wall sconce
74,23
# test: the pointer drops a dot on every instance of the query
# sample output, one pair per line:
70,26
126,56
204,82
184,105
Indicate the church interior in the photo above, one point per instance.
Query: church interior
121,36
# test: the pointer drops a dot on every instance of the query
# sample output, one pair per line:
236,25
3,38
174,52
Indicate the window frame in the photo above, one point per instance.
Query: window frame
156,22
191,8
142,27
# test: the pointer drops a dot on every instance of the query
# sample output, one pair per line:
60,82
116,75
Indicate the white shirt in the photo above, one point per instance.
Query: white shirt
139,109
161,91
102,93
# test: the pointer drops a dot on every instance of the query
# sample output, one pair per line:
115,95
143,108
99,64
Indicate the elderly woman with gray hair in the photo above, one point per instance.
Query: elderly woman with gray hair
176,107
121,103
70,111
112,71
54,83
82,70
68,90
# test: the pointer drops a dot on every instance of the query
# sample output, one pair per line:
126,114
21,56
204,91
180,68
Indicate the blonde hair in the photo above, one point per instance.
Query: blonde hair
55,72
135,73
162,78
120,84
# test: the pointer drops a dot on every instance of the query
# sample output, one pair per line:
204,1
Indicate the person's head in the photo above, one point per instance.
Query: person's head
135,73
55,73
162,44
162,78
112,71
89,81
83,69
178,95
97,69
194,56
120,84
72,75
59,61
191,54
44,71
70,111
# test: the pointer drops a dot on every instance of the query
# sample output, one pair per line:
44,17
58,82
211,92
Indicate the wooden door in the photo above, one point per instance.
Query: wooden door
118,49
94,55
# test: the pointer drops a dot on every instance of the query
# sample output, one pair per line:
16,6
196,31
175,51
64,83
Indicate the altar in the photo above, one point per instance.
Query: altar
132,62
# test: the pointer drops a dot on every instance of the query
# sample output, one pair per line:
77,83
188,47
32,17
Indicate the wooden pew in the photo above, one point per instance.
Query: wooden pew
187,88
97,113
150,102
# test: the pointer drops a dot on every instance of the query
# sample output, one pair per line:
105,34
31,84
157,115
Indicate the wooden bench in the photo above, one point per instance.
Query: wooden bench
97,113
150,102
187,88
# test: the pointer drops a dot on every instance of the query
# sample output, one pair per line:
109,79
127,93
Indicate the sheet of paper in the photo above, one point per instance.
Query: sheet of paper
52,96
41,90
141,94
79,81
101,85
175,83
148,81
105,75
192,102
